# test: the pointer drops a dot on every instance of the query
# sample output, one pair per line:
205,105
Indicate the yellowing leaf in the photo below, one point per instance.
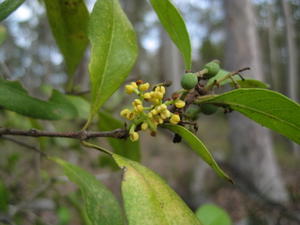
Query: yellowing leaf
148,200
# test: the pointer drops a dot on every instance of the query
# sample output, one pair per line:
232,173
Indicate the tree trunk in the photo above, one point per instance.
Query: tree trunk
251,143
292,57
171,62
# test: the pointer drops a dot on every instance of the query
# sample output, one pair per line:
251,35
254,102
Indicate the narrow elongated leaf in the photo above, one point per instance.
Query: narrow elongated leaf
113,52
101,206
68,21
195,144
15,98
210,214
174,24
148,200
9,6
124,147
268,108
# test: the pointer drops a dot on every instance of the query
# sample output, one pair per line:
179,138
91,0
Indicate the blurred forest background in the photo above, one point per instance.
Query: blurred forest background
261,34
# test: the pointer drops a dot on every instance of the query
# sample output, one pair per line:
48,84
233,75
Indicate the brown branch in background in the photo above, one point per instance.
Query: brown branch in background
23,144
80,135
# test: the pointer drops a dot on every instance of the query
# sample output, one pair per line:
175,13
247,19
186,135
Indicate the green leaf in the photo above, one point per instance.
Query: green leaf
101,206
9,6
124,147
250,83
15,98
82,106
68,20
4,197
210,214
3,34
174,24
113,52
268,108
148,200
195,144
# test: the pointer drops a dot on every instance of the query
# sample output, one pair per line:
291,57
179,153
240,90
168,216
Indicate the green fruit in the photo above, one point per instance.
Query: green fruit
208,109
213,68
192,112
189,81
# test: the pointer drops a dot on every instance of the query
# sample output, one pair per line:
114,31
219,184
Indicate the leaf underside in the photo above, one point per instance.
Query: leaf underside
148,200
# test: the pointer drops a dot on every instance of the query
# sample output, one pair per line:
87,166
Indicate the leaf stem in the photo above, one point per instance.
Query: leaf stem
90,145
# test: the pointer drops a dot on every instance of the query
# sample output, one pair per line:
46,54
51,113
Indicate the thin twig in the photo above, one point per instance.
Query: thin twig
23,144
80,135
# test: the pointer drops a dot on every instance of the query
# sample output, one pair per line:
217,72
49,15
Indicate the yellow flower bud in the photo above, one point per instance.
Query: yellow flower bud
131,116
144,87
125,112
144,126
134,136
139,108
160,89
129,89
179,103
136,102
154,112
175,119
147,95
150,115
166,113
159,95
134,85
163,107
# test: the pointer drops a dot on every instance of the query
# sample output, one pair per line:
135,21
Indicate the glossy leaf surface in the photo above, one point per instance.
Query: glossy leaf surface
210,214
268,108
9,6
101,206
113,50
174,24
148,200
68,20
123,147
197,146
15,98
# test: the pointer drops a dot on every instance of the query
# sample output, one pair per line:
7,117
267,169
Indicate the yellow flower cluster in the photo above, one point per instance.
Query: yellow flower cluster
149,117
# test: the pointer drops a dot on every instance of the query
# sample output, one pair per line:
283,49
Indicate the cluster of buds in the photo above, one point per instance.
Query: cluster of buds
156,111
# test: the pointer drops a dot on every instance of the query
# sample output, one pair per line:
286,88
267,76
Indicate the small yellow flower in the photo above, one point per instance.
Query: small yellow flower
147,95
134,85
129,89
136,102
131,116
139,108
179,103
144,126
160,89
175,119
144,87
124,112
134,136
